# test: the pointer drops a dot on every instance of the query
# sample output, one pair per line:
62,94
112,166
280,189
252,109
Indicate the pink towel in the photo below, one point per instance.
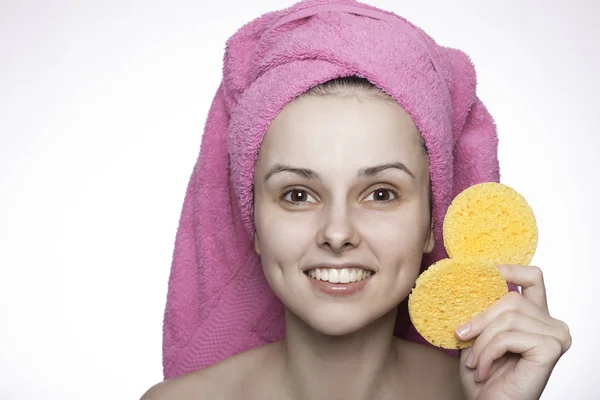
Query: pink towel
218,301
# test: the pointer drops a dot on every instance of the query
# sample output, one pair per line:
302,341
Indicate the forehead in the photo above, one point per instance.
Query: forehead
347,130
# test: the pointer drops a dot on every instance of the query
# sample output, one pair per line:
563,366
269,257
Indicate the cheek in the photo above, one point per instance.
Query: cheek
283,239
404,230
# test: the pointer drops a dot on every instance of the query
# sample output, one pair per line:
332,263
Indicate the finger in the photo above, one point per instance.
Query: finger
466,357
540,350
513,321
512,301
531,280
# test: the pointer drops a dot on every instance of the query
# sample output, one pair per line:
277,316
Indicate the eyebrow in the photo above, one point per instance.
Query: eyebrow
314,175
370,171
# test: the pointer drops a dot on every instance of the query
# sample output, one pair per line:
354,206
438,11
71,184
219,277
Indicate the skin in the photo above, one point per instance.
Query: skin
344,348
339,218
518,342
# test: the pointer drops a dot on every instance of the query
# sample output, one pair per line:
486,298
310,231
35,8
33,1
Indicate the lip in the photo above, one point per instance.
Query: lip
339,289
339,266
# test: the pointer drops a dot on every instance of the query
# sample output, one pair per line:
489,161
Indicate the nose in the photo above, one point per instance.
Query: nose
338,232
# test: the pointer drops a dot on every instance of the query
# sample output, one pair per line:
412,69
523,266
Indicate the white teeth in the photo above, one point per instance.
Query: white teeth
334,276
353,275
344,275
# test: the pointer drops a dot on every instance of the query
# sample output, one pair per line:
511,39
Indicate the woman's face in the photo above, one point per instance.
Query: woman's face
341,195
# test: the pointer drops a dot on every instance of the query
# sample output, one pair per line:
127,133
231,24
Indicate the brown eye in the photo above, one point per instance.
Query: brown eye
297,196
382,195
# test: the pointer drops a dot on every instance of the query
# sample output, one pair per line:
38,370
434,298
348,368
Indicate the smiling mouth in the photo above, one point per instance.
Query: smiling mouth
344,275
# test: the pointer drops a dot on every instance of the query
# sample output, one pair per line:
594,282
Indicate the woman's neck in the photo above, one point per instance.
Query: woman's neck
356,366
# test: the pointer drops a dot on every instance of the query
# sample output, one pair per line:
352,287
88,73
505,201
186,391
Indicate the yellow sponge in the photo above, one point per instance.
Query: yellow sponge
451,292
487,224
490,221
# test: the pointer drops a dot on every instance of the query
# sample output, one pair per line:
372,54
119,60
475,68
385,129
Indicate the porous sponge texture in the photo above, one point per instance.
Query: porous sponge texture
493,222
449,293
487,224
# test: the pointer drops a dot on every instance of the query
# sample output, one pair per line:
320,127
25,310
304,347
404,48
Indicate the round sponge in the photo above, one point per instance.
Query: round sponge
490,221
451,292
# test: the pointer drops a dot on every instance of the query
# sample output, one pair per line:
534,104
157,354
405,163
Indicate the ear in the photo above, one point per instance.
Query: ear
430,243
256,246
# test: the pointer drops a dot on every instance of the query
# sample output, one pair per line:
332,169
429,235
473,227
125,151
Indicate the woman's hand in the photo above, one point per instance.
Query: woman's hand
518,342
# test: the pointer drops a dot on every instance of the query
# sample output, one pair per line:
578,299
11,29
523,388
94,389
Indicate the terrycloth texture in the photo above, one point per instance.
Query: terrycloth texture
218,301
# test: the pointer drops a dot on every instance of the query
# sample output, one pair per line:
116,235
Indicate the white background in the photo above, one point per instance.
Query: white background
102,107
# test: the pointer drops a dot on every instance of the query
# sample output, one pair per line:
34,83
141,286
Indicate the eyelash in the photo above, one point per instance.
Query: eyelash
295,203
394,192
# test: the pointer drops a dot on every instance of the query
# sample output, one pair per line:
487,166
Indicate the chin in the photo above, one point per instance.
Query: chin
335,328
342,319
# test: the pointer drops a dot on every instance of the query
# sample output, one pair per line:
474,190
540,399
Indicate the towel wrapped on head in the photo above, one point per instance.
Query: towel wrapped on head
218,301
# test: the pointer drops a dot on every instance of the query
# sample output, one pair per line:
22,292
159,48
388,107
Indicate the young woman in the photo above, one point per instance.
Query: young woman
347,193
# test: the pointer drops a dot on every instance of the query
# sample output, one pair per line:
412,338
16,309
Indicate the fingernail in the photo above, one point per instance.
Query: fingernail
469,362
463,330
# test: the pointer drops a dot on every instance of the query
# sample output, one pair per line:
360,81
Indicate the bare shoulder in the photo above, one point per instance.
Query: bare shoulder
435,374
227,379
